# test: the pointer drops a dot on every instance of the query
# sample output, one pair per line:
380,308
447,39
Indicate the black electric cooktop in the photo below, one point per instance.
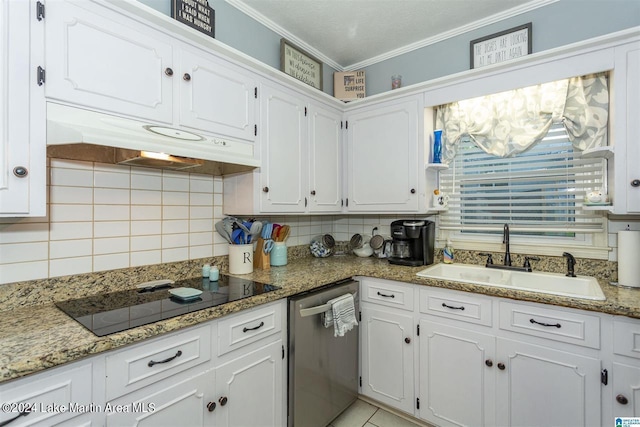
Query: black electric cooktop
118,311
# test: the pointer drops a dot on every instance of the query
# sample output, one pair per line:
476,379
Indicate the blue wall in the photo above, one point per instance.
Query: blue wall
554,25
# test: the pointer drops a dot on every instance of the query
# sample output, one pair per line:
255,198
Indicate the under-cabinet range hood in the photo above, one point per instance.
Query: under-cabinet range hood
77,134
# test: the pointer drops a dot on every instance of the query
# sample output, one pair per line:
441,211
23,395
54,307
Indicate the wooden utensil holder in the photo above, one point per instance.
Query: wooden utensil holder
260,259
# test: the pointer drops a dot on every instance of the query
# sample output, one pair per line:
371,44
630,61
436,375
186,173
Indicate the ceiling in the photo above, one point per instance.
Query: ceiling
351,34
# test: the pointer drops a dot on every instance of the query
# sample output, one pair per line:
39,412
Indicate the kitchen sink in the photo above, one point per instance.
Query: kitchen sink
584,287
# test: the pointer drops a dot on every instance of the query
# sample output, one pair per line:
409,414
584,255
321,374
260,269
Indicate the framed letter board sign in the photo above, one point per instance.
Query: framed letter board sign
299,64
197,14
503,46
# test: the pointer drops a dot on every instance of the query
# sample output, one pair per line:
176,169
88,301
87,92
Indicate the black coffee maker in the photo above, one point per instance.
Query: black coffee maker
412,242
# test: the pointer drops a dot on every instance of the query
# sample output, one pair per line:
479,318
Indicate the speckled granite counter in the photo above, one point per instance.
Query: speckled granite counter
37,337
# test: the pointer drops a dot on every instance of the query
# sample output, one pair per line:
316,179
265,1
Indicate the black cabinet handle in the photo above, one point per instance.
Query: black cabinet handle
386,296
313,192
223,400
265,189
413,191
554,325
622,399
254,328
461,308
407,340
488,362
153,362
168,71
211,406
635,183
186,77
501,366
21,414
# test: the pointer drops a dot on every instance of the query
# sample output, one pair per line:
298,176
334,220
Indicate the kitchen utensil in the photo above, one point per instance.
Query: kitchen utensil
255,229
275,231
238,236
246,232
283,233
220,228
228,226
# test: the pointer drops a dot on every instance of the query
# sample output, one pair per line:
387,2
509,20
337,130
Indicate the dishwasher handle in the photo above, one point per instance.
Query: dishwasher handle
319,309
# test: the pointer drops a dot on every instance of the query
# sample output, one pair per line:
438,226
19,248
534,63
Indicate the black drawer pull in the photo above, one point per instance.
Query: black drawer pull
386,296
21,414
253,329
555,325
461,308
153,362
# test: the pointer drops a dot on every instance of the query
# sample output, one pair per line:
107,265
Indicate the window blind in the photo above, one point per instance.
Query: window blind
539,191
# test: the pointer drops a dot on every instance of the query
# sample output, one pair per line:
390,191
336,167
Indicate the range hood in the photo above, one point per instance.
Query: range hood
77,134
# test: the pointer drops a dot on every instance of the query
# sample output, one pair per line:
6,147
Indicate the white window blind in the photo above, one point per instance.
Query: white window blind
539,191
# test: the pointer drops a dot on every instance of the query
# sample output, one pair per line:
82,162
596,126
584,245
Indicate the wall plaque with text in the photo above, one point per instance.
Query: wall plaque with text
500,47
197,14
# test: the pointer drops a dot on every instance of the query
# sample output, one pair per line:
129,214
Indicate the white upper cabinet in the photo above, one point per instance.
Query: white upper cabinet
284,148
385,152
22,114
100,59
626,129
325,159
215,95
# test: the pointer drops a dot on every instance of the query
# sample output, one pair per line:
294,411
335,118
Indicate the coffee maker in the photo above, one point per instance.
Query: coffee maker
412,242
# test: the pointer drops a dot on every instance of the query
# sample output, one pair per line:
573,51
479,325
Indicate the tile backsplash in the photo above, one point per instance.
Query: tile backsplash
104,217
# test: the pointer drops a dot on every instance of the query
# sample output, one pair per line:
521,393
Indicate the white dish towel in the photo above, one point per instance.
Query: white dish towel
342,315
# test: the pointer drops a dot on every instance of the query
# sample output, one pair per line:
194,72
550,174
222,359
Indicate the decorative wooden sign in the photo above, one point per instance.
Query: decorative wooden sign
299,64
197,14
500,47
349,85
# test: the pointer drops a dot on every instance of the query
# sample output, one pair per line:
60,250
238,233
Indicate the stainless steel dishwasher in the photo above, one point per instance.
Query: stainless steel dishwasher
323,369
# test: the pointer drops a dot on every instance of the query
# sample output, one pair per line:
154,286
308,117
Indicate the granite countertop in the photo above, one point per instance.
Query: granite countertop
37,337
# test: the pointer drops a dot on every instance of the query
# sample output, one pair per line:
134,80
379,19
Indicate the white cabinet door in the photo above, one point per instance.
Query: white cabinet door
540,386
166,404
249,389
215,96
626,390
632,183
283,177
387,357
22,114
100,59
383,156
325,160
457,376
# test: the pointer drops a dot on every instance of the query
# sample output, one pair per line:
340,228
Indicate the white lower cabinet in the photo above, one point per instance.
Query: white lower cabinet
540,386
168,403
485,361
457,376
250,389
387,357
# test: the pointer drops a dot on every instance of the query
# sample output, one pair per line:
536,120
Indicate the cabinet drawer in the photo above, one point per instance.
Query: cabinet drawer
626,338
44,392
555,324
245,328
391,294
144,364
467,308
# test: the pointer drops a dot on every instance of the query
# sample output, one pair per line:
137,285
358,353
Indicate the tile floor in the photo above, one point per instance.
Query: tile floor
363,414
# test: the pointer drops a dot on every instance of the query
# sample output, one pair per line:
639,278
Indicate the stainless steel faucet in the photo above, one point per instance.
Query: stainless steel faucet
505,240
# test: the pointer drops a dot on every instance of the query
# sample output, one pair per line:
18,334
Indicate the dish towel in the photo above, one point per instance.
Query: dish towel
342,315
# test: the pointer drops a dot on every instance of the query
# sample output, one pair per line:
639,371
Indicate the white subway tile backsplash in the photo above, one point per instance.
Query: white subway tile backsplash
111,212
71,195
111,179
175,212
175,254
71,213
21,271
172,181
175,240
24,232
146,213
111,229
217,185
199,239
69,266
201,225
145,181
110,261
175,198
71,230
196,252
221,249
23,252
201,199
201,212
217,199
112,196
71,177
110,245
145,243
70,248
71,164
145,258
146,197
201,184
143,228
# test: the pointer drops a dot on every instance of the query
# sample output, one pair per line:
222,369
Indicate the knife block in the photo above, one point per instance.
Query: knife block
260,259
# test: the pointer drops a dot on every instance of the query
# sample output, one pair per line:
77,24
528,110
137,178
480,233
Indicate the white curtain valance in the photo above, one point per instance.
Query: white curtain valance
508,123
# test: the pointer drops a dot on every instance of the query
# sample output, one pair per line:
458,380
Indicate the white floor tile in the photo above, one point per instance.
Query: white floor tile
383,418
355,416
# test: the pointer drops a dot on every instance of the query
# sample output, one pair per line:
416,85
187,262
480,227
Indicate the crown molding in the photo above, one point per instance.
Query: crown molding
532,5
